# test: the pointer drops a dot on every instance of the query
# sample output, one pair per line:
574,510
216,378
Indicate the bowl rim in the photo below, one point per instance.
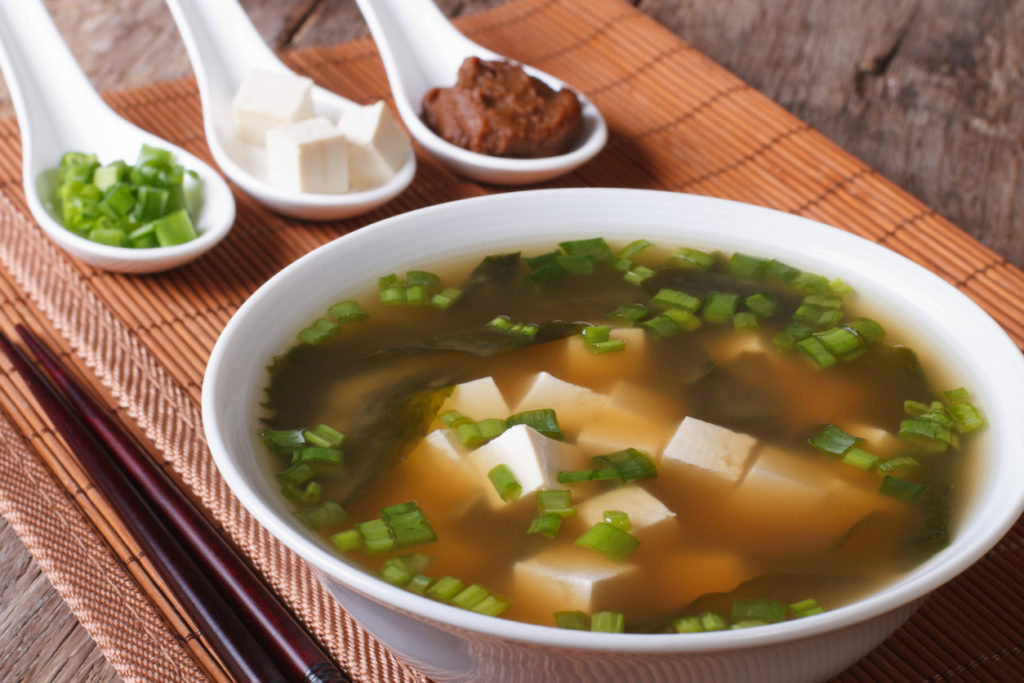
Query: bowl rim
827,242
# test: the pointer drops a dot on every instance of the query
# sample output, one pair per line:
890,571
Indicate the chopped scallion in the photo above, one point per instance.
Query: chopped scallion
608,622
326,514
572,619
833,440
902,489
608,540
505,482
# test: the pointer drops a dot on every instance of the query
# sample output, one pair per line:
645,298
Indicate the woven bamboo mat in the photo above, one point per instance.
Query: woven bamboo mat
678,122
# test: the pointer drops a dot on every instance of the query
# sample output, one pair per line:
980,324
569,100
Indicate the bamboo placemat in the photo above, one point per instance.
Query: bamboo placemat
678,122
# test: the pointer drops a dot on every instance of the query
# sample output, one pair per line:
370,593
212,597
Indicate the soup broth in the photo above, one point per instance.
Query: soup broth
795,453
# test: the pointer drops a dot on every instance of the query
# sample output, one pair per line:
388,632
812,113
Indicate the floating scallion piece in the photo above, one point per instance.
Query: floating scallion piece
445,588
555,501
684,257
320,454
762,610
780,271
597,340
546,524
673,298
762,305
689,624
376,536
744,322
902,489
963,412
596,248
637,275
713,621
805,608
630,313
860,459
608,540
303,495
618,519
608,622
401,570
347,540
408,524
628,464
897,463
817,351
572,619
720,306
326,514
833,440
746,266
544,420
347,311
505,482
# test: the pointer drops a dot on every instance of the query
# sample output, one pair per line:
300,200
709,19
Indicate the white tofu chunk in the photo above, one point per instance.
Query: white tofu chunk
709,447
478,400
729,347
308,156
878,441
533,458
266,100
581,365
574,405
570,578
632,418
646,513
440,456
378,145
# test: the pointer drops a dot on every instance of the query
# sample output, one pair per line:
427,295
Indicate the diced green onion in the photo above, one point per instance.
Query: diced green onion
282,440
453,418
687,625
963,412
470,596
586,475
296,474
764,610
174,228
744,322
555,501
720,307
393,296
326,514
321,329
783,341
673,298
662,326
685,320
572,619
637,275
419,583
377,536
347,540
748,623
618,519
628,464
608,622
330,436
321,454
809,282
633,248
345,311
840,342
817,351
408,524
744,266
596,333
492,605
762,305
445,588
505,482
630,313
491,428
780,271
547,275
902,489
608,540
685,257
713,621
596,248
542,420
798,330
417,295
833,440
578,264
547,524
445,298
423,278
897,463
928,433
862,460
302,495
806,608
868,329
399,571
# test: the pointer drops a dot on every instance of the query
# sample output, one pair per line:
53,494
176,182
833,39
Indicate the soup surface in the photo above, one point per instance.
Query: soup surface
631,439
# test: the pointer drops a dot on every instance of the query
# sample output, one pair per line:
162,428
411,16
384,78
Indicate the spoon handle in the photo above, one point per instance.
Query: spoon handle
48,88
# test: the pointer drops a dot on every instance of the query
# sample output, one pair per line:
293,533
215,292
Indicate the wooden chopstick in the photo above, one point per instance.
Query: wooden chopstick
270,634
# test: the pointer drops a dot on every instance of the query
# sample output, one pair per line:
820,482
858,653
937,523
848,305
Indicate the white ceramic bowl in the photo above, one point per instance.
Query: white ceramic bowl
450,644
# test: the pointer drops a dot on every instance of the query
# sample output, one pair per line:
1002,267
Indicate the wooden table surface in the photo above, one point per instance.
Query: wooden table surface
924,91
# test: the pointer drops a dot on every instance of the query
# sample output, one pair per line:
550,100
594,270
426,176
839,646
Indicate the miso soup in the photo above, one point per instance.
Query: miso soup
635,438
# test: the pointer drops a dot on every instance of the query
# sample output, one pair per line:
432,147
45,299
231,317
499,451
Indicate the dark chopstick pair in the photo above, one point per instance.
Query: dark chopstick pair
251,632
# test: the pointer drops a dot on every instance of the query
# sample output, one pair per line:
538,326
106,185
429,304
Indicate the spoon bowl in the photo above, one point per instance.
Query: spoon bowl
58,111
224,48
421,50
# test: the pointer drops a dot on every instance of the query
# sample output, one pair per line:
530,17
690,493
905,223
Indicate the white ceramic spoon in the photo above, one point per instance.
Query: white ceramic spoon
422,50
224,48
59,111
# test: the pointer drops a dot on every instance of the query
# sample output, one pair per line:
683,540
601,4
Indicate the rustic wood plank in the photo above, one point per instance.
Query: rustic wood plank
922,90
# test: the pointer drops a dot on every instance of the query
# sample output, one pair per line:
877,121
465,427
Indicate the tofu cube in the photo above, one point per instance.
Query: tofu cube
571,578
646,513
266,100
533,458
597,369
632,418
574,405
478,400
378,145
710,448
309,156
